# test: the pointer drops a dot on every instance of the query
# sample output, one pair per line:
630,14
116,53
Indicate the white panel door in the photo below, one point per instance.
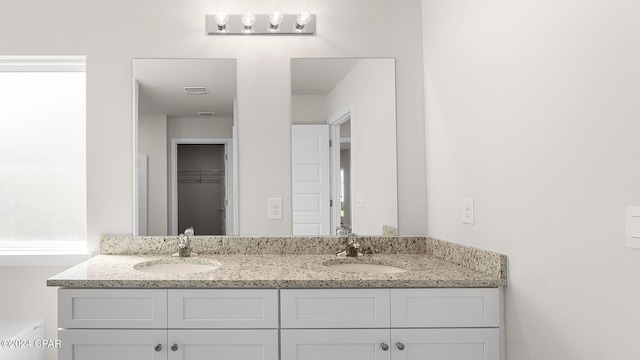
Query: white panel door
345,344
310,179
445,344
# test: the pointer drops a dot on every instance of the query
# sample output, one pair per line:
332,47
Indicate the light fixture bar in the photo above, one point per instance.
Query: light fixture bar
288,25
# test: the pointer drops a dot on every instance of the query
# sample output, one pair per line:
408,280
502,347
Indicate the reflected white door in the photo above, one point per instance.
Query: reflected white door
310,179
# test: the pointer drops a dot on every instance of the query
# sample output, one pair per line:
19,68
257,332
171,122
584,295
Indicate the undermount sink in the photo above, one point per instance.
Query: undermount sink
178,266
363,267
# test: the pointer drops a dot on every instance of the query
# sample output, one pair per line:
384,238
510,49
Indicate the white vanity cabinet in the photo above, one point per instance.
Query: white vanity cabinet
162,324
286,324
383,324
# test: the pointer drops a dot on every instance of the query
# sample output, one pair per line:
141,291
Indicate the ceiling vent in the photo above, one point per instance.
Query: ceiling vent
196,90
206,113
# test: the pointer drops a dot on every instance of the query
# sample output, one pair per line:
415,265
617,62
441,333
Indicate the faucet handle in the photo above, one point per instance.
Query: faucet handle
189,231
353,240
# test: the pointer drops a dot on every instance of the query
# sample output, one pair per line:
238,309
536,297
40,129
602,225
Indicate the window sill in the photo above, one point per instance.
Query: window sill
42,258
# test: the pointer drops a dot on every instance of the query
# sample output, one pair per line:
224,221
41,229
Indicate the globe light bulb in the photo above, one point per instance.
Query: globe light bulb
248,19
274,20
221,19
302,20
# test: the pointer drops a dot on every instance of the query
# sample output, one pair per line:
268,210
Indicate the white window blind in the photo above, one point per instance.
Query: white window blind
43,200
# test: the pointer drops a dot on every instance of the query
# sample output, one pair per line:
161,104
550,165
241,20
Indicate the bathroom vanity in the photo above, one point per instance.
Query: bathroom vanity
280,305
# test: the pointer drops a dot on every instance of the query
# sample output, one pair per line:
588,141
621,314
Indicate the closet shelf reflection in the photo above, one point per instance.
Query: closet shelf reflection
200,175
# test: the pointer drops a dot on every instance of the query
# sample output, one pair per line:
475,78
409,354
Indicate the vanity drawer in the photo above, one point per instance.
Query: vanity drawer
218,308
112,308
339,308
478,307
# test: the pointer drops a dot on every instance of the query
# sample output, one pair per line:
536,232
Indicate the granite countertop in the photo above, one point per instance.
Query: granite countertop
450,266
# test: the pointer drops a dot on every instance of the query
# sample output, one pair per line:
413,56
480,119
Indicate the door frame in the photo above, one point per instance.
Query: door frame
339,118
228,179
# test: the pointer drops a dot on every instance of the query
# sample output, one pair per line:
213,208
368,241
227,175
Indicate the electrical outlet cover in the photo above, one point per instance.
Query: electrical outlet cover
468,216
274,208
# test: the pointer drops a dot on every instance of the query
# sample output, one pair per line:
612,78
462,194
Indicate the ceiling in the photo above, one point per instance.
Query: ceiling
318,76
162,81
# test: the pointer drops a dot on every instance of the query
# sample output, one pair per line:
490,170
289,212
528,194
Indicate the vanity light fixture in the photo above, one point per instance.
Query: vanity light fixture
249,23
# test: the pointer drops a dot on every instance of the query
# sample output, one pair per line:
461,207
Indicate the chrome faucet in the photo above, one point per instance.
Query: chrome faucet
352,245
184,245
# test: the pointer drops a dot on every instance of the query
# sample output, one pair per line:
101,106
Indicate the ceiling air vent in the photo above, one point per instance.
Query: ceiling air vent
206,113
196,90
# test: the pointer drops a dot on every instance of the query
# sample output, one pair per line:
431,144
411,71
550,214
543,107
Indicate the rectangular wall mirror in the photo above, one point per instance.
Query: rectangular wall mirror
185,146
344,172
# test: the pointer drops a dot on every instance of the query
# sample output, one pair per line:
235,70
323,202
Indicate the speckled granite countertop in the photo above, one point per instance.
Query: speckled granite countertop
429,263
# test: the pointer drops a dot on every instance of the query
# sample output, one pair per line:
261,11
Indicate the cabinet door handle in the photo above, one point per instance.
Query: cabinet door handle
174,347
400,346
384,347
158,348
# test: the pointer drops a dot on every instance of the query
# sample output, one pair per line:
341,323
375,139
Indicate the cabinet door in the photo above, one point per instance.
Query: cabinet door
112,308
113,344
445,344
347,344
223,308
223,344
458,308
334,308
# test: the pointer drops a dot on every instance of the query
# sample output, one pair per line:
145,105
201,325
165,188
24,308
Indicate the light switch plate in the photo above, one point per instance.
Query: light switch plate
632,221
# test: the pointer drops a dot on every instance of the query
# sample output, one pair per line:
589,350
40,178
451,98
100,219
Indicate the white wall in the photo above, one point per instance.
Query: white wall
369,87
25,296
309,109
532,109
199,127
152,141
111,33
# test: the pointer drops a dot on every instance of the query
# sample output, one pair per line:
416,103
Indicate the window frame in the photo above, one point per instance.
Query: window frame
43,252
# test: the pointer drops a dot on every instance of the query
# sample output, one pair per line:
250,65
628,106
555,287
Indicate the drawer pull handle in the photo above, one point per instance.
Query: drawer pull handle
384,347
400,346
158,348
174,347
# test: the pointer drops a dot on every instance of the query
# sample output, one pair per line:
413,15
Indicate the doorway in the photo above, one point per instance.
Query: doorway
200,191
340,169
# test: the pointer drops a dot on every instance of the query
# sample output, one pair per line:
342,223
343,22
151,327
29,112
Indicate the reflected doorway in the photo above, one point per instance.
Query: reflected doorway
344,173
200,191
201,195
340,169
